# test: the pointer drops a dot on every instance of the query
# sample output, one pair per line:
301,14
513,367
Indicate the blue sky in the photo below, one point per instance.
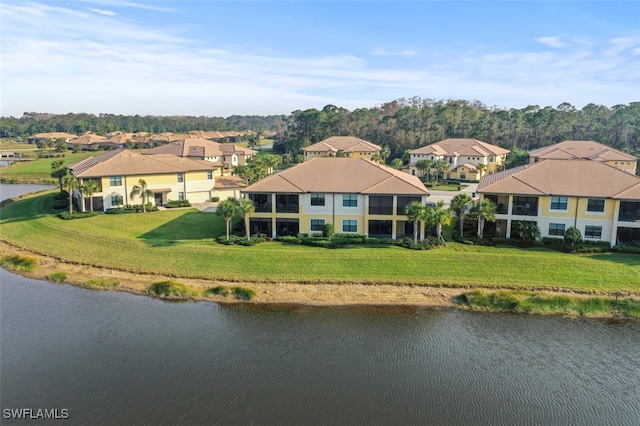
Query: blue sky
220,58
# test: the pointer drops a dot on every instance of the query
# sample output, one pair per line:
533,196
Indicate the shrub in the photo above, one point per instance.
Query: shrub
177,203
220,290
57,277
120,210
328,230
241,241
169,289
289,239
215,199
101,284
572,236
626,249
243,293
19,263
80,215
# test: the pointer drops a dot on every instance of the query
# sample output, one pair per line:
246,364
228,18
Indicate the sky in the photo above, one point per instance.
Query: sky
222,58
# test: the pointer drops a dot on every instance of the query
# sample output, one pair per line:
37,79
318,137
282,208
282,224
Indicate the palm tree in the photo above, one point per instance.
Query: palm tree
484,210
438,216
58,171
442,167
246,207
459,205
228,209
385,153
481,167
425,165
69,182
89,188
272,162
144,193
415,211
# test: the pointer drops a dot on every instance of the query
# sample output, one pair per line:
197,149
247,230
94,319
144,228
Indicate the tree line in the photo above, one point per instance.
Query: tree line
400,125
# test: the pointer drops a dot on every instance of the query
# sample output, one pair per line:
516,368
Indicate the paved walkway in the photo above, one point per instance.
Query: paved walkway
446,196
208,207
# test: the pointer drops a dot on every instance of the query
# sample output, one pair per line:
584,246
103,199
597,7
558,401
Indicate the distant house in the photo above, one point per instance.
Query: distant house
50,136
601,201
586,150
468,159
355,195
88,141
342,146
203,149
169,177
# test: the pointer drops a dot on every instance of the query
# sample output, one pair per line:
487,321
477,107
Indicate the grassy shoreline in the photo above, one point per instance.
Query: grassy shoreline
180,244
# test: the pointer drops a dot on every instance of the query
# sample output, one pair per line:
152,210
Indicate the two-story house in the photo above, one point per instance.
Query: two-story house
355,195
468,159
204,149
342,146
586,150
601,201
169,177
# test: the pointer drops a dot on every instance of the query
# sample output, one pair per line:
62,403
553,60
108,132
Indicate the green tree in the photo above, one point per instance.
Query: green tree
59,171
415,211
481,168
89,188
246,208
438,216
483,211
228,209
459,206
572,236
69,182
425,165
442,167
517,157
141,190
396,163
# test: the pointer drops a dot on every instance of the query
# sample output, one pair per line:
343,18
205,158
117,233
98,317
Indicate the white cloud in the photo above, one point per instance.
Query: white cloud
103,12
398,52
555,42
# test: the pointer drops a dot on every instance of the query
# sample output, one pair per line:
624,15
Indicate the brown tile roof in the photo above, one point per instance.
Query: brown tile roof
53,135
461,146
228,182
199,148
573,150
343,143
123,162
87,139
579,178
341,175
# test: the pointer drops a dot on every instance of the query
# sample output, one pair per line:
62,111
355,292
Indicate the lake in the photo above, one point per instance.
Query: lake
113,358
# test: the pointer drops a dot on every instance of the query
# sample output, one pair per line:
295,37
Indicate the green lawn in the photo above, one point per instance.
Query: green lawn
39,170
181,243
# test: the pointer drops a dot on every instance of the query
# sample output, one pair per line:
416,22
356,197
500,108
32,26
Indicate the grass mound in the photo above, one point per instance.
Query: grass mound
19,263
169,289
101,284
57,277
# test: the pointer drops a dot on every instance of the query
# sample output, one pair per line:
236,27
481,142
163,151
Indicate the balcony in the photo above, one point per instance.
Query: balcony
380,205
525,206
286,203
629,211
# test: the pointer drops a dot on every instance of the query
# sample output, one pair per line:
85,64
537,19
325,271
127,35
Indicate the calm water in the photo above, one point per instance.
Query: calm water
11,190
119,359
116,358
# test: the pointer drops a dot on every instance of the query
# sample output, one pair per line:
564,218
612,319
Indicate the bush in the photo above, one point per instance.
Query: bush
169,289
80,215
241,241
289,239
215,199
328,230
57,277
120,210
177,203
19,263
626,249
101,284
220,290
243,293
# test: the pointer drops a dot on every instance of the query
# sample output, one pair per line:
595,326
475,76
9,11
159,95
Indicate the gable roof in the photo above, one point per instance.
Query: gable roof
341,175
87,139
573,150
123,162
461,146
53,135
578,178
343,143
198,147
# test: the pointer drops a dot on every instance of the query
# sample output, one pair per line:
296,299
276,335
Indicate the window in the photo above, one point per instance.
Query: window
556,229
317,199
317,225
349,225
591,231
349,200
262,202
180,195
595,205
116,200
463,175
209,174
180,177
115,181
559,203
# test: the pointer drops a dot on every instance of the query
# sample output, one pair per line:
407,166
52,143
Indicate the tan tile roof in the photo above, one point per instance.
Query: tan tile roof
468,166
228,182
123,162
461,146
343,143
572,150
580,178
87,139
341,175
199,148
53,135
